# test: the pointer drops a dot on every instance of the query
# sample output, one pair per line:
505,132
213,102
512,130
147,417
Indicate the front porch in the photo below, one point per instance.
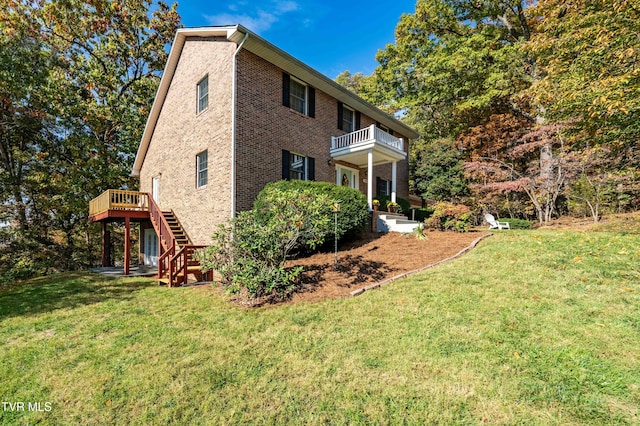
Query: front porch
370,147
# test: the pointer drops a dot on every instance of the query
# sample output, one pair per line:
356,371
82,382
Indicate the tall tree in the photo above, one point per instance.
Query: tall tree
454,63
105,58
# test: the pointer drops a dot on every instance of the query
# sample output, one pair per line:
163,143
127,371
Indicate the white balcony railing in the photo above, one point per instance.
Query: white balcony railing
367,135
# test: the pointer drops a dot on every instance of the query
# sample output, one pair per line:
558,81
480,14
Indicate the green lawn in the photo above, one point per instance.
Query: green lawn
531,327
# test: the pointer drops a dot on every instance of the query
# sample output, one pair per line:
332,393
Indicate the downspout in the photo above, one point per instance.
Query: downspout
234,90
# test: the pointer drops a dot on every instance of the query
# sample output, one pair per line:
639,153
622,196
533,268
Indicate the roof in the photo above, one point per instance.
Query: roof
262,48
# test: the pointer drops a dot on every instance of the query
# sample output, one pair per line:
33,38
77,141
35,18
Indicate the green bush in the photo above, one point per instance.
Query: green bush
250,251
422,214
517,223
450,217
405,206
353,217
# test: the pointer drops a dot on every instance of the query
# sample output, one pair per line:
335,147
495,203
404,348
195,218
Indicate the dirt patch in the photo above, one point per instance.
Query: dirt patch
371,259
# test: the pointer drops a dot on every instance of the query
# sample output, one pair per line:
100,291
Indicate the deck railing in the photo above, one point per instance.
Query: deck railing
119,199
368,134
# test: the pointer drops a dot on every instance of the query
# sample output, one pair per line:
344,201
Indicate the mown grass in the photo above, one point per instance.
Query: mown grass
532,327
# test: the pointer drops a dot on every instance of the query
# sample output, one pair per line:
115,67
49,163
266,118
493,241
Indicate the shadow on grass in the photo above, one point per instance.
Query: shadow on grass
65,291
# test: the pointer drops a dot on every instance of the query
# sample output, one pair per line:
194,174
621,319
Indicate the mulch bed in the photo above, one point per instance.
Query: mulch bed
374,258
368,260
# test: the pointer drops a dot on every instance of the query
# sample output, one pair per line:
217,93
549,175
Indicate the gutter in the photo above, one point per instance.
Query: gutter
234,90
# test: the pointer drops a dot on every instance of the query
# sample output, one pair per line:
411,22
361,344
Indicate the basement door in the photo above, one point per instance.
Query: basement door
150,247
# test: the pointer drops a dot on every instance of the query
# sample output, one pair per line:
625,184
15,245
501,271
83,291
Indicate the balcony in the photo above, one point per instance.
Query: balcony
354,147
369,147
118,204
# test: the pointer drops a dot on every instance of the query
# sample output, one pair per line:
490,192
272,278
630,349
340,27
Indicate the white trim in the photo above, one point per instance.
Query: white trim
370,178
394,177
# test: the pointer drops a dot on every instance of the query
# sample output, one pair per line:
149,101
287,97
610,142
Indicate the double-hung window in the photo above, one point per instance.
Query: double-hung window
203,94
347,119
297,167
202,169
298,96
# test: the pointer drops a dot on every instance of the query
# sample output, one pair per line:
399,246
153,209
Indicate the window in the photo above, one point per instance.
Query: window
298,96
347,119
384,128
297,167
203,94
383,187
202,169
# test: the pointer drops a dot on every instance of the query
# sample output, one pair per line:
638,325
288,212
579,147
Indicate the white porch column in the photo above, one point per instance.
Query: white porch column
370,178
394,174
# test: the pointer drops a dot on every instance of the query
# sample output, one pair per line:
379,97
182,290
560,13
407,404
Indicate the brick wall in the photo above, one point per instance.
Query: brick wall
181,134
266,127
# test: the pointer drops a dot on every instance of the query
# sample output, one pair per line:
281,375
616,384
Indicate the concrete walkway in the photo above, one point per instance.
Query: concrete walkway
134,271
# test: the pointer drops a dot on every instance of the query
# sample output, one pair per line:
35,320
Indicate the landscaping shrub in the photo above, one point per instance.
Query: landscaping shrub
450,217
353,217
405,206
422,214
517,223
250,251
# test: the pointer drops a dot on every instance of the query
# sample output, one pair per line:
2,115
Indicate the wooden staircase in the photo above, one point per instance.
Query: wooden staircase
177,261
182,239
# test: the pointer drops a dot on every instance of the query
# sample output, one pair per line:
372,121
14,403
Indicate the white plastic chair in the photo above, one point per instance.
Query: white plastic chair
493,223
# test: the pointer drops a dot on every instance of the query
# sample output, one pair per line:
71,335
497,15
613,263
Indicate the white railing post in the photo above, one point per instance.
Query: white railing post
333,142
394,174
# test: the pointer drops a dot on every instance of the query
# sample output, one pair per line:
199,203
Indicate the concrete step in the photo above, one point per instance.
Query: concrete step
396,223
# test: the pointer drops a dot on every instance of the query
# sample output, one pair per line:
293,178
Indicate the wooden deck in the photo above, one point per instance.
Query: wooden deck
119,204
175,252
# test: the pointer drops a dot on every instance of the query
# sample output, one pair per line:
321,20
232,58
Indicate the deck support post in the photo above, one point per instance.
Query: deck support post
127,244
394,173
106,249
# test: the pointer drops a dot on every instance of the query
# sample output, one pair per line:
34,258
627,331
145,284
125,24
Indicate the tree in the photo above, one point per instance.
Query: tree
438,172
454,63
587,54
103,61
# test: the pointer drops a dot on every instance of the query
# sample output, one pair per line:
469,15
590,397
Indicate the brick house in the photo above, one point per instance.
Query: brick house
233,113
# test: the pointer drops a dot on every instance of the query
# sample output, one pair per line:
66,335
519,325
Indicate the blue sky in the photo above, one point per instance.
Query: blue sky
329,36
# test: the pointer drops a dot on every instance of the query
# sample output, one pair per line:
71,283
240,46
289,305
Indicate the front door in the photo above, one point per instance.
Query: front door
346,176
150,247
